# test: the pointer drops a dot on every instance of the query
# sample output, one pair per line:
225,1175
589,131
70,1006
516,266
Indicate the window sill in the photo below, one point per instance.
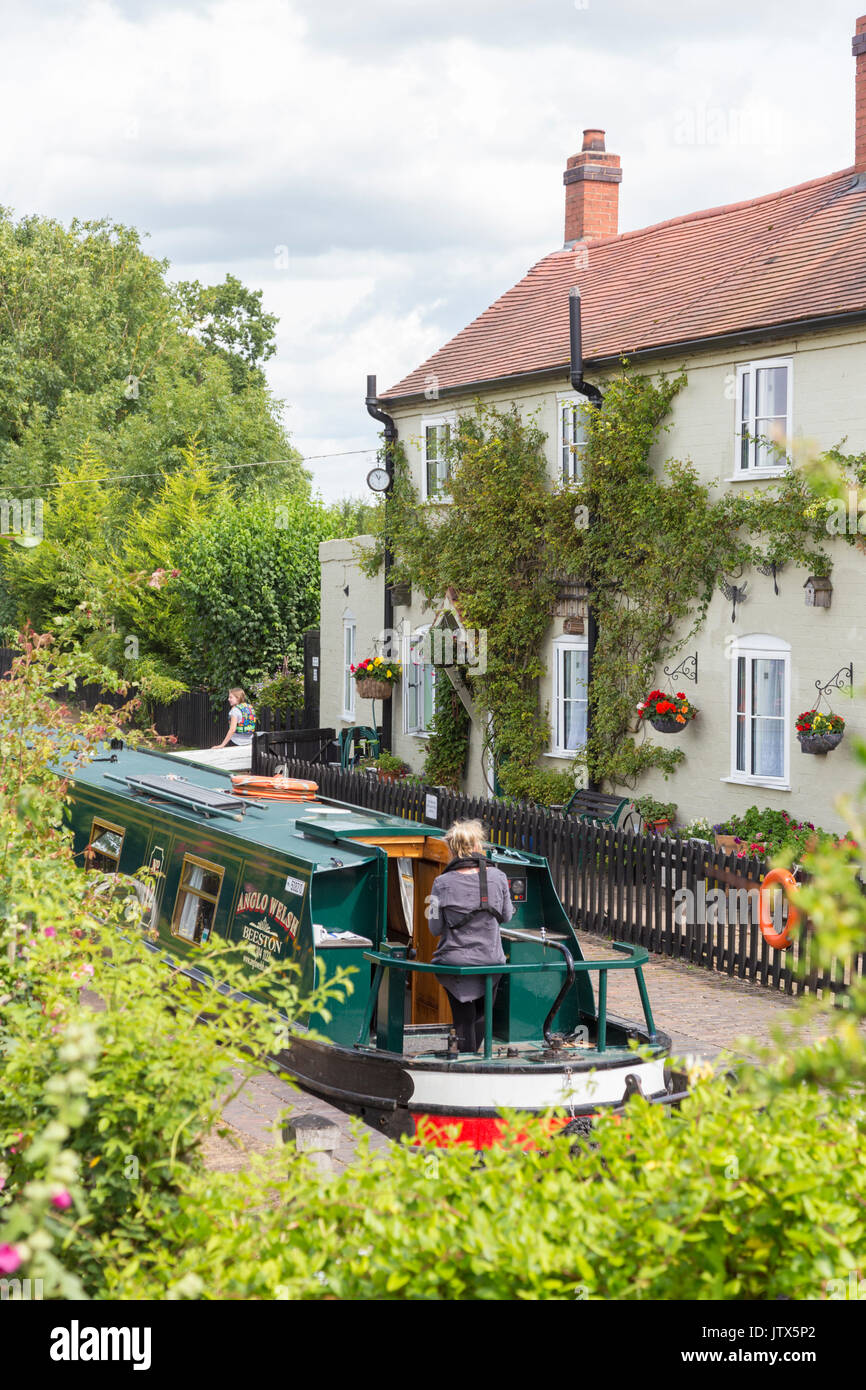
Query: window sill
567,755
757,782
755,475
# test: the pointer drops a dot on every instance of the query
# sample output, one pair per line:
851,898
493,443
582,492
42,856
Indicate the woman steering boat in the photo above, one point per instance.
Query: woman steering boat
468,903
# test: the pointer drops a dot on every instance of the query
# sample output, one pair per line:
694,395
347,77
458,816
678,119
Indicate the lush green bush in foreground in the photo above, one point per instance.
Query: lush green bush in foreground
748,1192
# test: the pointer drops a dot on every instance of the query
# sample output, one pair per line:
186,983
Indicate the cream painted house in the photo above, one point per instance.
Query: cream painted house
763,304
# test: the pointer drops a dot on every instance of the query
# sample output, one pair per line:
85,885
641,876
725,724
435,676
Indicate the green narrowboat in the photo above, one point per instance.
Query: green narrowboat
324,884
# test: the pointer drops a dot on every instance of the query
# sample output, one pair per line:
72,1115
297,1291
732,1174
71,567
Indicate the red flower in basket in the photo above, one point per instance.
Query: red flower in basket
659,705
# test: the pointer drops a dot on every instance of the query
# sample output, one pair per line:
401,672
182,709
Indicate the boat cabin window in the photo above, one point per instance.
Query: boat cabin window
106,842
196,902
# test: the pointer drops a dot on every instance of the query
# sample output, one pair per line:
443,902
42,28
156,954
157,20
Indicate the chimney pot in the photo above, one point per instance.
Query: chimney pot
592,180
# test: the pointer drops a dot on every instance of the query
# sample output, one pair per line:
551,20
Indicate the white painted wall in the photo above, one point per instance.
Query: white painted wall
829,407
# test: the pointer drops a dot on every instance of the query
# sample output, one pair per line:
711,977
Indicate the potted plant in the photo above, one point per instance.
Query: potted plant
375,677
819,733
657,814
669,714
389,767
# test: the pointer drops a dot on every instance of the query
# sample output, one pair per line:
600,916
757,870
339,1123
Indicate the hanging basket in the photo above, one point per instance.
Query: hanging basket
667,726
370,689
819,743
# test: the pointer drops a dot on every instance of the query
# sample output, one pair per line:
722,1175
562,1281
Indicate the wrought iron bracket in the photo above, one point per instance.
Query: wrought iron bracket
837,683
688,669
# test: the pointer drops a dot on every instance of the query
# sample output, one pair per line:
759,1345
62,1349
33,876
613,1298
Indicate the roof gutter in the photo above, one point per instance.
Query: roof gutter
740,338
372,403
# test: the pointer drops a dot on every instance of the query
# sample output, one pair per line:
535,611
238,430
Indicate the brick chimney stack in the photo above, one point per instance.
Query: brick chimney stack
858,48
592,180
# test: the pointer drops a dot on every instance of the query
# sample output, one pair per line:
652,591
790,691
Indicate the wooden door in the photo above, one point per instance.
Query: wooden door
429,1000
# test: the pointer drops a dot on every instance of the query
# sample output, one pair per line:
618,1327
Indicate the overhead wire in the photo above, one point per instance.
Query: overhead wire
218,467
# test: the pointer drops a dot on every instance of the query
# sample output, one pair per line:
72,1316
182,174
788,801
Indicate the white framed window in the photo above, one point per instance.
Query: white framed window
571,436
349,631
419,683
760,710
764,416
570,695
196,902
436,435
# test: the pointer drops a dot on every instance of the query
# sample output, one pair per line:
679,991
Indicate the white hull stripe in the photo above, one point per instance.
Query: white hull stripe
458,1090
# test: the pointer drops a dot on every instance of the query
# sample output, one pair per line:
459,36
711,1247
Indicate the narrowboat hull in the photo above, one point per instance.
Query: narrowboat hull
322,885
410,1096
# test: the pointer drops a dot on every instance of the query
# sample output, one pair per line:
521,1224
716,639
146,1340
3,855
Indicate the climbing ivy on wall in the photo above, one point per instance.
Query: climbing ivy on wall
448,741
650,547
489,543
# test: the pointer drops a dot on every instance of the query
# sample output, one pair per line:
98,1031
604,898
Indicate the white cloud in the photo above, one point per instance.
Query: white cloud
409,156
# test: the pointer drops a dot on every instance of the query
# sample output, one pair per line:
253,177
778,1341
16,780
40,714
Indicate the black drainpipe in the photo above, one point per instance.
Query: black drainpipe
594,396
388,558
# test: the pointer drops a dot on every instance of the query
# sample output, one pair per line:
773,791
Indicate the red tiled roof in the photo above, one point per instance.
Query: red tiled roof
795,255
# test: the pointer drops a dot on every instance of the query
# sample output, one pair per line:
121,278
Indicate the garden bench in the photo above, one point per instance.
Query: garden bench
602,807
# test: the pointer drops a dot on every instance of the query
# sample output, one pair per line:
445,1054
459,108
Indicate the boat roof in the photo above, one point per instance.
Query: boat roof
136,774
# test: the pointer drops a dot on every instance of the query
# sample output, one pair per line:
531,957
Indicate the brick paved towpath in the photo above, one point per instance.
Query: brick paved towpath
704,1012
706,1015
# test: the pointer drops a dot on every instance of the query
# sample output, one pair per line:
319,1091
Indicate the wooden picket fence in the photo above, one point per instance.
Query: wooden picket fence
646,890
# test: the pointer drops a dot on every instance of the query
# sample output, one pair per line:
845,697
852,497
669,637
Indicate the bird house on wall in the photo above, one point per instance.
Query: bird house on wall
819,591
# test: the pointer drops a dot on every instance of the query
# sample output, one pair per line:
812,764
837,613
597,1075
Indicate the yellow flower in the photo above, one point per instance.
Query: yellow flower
377,661
387,673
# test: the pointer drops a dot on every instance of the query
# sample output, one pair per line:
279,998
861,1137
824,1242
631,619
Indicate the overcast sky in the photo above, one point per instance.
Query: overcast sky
384,170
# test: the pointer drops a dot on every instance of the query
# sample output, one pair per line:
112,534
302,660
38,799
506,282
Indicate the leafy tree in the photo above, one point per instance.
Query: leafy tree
95,345
249,586
229,320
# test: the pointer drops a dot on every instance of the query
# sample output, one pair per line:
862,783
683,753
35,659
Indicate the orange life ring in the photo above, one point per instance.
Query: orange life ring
274,788
780,939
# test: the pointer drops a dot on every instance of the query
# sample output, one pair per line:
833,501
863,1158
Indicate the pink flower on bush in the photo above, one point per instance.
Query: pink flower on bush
61,1200
9,1259
50,931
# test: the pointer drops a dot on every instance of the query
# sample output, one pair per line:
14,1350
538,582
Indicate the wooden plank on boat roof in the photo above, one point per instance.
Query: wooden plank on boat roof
436,849
395,846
